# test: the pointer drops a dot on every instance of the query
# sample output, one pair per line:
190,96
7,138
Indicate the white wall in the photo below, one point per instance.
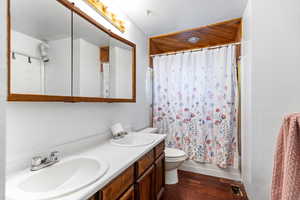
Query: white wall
274,85
28,78
25,44
3,43
37,127
88,77
76,67
121,72
89,67
58,69
105,80
32,78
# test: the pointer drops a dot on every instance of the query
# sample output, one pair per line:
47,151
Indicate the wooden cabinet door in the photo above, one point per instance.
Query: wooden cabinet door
118,186
129,194
145,185
93,197
159,176
144,163
159,149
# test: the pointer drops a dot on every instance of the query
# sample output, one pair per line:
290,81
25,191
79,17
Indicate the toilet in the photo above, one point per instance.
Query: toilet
174,158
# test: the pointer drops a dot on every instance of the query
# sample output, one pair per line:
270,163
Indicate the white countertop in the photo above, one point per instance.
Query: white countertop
119,158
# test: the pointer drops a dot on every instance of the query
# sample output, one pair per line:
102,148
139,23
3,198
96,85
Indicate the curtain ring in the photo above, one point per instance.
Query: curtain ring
13,55
29,60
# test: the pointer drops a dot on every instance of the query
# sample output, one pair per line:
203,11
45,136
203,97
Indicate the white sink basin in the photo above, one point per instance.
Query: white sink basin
63,178
134,140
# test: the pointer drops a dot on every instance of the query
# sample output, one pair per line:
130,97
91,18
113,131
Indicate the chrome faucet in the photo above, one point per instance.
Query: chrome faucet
39,162
120,135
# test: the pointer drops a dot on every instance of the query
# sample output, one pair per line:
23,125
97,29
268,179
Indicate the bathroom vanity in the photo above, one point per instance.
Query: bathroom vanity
99,170
144,180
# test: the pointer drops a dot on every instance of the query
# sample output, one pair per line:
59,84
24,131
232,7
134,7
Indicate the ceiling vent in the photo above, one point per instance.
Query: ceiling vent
193,40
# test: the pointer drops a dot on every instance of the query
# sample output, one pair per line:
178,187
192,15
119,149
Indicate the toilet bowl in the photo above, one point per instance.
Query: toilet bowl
174,158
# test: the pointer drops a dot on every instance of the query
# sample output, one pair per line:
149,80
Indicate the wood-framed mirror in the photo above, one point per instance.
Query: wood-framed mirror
62,54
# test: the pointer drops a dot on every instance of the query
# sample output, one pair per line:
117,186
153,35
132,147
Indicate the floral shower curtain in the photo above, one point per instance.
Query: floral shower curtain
196,103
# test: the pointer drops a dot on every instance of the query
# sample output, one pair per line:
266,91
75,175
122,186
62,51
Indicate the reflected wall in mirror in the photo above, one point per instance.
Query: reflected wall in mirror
89,42
120,71
40,48
103,66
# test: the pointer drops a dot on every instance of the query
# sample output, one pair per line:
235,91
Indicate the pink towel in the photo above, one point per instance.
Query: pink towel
286,171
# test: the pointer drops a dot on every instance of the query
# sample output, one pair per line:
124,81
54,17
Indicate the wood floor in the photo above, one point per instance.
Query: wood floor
193,186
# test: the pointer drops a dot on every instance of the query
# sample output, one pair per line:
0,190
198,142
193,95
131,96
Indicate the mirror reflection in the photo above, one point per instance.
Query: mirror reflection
121,77
40,48
102,64
55,51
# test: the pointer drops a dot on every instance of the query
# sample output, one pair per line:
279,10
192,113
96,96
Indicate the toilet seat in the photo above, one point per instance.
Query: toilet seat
174,155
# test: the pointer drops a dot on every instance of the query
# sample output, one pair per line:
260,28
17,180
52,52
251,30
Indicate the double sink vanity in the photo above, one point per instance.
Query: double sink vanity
131,168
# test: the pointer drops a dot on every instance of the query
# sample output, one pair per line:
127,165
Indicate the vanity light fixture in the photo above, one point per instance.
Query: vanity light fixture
103,10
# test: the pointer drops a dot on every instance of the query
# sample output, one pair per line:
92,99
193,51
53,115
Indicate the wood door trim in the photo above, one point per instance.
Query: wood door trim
8,47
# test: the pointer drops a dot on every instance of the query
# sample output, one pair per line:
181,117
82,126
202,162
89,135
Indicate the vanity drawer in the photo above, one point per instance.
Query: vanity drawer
118,186
144,163
159,149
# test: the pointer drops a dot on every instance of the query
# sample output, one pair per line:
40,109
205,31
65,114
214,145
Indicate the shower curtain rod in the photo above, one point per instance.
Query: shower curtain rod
195,50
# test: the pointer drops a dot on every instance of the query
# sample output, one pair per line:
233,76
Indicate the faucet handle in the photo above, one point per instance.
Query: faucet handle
123,133
36,161
54,156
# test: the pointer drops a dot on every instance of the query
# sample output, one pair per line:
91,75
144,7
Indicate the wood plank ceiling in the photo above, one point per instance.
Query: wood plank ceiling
210,35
